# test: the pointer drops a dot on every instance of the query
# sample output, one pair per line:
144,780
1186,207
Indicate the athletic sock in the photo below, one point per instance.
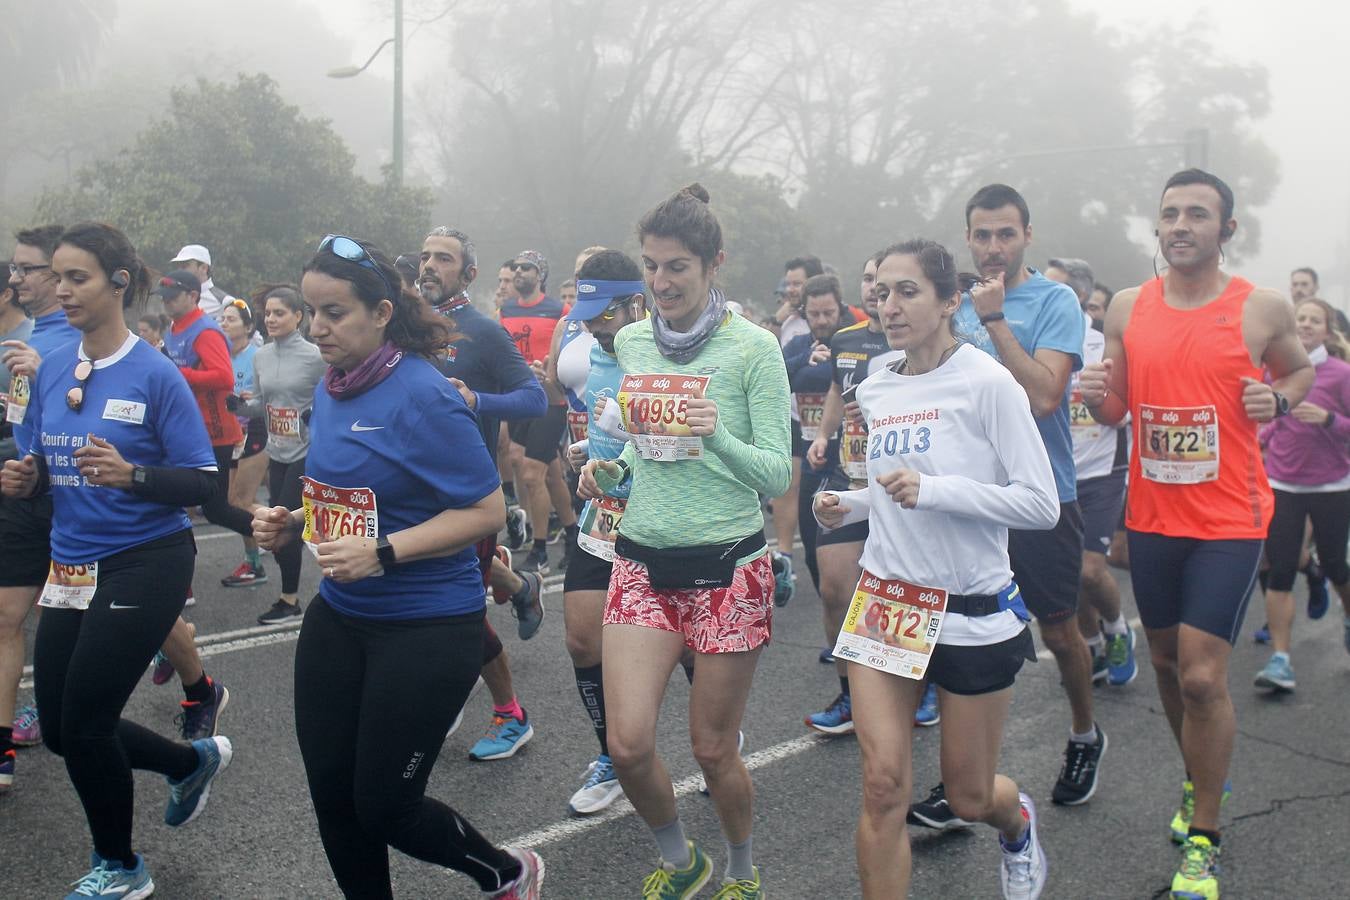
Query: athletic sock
200,692
1201,832
1089,737
1020,844
740,865
511,709
1096,644
541,545
672,843
591,686
253,557
1278,655
843,686
572,531
509,490
1119,626
6,738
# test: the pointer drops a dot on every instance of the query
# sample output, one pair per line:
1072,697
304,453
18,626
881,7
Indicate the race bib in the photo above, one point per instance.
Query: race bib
70,587
599,526
654,408
16,407
334,512
892,626
811,409
577,423
1179,445
283,422
1081,424
853,450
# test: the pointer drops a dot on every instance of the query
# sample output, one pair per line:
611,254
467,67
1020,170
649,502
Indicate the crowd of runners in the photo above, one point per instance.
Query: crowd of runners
961,453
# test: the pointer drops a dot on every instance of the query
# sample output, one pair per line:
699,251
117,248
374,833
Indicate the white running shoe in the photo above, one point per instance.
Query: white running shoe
1024,872
599,790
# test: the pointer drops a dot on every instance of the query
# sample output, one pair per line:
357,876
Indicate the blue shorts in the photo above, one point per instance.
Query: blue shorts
1204,584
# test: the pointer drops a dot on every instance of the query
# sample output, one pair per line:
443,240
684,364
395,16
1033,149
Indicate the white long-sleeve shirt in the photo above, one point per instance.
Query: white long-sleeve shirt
967,429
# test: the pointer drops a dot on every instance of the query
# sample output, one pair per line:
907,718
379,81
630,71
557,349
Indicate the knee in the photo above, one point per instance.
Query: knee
1202,685
629,752
714,751
384,815
970,802
885,791
1060,637
533,471
582,648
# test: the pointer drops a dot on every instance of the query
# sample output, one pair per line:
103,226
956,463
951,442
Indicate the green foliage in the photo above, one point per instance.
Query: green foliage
236,168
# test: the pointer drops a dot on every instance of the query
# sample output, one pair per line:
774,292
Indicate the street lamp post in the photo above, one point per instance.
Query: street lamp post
353,71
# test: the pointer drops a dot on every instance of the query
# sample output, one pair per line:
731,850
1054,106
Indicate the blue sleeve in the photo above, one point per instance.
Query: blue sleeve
797,353
526,400
1060,325
446,422
803,377
178,423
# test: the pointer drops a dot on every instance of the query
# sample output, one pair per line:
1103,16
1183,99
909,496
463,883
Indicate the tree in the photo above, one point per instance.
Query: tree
236,168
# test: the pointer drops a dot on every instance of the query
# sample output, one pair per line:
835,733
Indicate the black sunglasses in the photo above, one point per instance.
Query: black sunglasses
518,266
348,249
75,396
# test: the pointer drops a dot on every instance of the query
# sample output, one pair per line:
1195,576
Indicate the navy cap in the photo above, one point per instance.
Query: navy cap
175,282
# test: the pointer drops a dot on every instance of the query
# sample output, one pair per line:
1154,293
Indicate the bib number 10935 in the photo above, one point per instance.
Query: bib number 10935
655,409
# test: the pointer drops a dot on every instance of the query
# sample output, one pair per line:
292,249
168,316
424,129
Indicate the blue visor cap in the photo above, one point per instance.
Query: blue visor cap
594,297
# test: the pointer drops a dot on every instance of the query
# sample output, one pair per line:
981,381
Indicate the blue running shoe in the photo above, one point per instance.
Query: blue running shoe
1278,675
504,738
187,798
1121,667
928,713
107,878
7,770
784,582
837,718
599,790
826,657
1262,635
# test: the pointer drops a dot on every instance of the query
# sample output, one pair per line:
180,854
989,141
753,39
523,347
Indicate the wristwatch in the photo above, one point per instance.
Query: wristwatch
1281,404
384,551
992,317
139,475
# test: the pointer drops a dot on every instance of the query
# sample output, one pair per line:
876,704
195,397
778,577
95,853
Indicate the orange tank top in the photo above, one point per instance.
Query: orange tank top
1195,465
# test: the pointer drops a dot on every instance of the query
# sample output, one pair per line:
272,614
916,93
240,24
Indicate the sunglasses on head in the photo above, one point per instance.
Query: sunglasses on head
75,396
348,249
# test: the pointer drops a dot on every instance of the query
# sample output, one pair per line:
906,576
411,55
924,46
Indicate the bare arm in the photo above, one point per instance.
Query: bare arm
1112,410
1044,376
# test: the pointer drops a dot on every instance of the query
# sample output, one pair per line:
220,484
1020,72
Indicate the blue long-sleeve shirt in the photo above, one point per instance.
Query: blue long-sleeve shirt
803,377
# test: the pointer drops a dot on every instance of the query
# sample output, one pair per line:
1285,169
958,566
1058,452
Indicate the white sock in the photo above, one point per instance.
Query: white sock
1088,738
1096,644
1119,626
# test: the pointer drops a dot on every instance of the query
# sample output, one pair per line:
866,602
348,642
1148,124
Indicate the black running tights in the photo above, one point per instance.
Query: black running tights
218,510
283,486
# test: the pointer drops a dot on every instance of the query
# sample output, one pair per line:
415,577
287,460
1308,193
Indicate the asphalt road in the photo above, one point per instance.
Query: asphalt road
1285,827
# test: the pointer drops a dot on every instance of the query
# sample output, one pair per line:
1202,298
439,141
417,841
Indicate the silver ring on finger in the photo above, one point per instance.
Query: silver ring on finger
95,471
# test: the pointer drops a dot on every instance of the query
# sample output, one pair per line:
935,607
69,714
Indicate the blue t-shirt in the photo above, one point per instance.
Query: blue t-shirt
1042,314
603,381
243,377
136,400
413,442
49,333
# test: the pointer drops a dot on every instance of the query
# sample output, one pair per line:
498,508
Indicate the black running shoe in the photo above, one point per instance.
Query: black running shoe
281,611
200,720
517,528
555,528
536,562
1078,779
934,812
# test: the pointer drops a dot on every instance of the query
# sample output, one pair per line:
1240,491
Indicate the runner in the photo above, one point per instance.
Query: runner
285,373
25,523
151,328
610,287
691,565
1101,457
196,259
249,463
1307,457
116,441
954,460
1035,327
390,645
1198,507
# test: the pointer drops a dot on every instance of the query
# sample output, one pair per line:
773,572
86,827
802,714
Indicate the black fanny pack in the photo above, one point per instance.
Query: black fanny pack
703,568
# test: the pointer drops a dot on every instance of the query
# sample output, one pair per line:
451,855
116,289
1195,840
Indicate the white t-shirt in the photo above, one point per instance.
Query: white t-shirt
1094,444
967,429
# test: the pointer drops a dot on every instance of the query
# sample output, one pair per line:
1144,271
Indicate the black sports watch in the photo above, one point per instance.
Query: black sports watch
384,551
140,475
1281,404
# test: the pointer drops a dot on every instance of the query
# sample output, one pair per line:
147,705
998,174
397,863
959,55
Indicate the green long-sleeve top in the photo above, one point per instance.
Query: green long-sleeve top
715,499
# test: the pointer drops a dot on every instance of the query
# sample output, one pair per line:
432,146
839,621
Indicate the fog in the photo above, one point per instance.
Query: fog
535,124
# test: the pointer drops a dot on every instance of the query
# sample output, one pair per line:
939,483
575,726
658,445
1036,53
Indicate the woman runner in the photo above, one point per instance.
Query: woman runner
249,463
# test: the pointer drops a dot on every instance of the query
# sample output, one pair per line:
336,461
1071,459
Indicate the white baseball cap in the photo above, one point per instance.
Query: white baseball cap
194,252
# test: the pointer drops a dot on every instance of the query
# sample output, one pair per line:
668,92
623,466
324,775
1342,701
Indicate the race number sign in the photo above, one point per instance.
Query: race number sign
1179,445
577,423
16,406
70,587
599,526
283,422
1081,424
853,450
892,626
654,409
334,512
811,409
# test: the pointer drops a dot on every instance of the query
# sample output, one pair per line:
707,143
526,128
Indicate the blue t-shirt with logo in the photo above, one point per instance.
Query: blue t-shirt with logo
136,400
412,442
49,332
1042,314
603,381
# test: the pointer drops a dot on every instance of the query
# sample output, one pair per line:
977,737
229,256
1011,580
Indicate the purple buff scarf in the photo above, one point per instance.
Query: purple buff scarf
376,368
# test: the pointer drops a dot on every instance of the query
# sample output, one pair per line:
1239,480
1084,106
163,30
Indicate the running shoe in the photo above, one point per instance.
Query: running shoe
826,657
1197,877
935,812
740,888
1078,779
525,887
501,595
7,769
928,714
1278,675
568,547
281,612
504,738
107,878
246,575
1121,666
1262,635
837,718
1318,601
784,582
703,781
1181,822
1024,871
199,720
190,601
536,561
1099,666
517,528
555,528
163,669
598,791
459,718
27,727
670,883
528,605
187,798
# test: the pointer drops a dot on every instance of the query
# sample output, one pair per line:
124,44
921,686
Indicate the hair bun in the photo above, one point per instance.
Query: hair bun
697,191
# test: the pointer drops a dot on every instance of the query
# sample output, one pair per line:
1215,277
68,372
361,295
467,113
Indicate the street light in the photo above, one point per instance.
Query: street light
353,71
